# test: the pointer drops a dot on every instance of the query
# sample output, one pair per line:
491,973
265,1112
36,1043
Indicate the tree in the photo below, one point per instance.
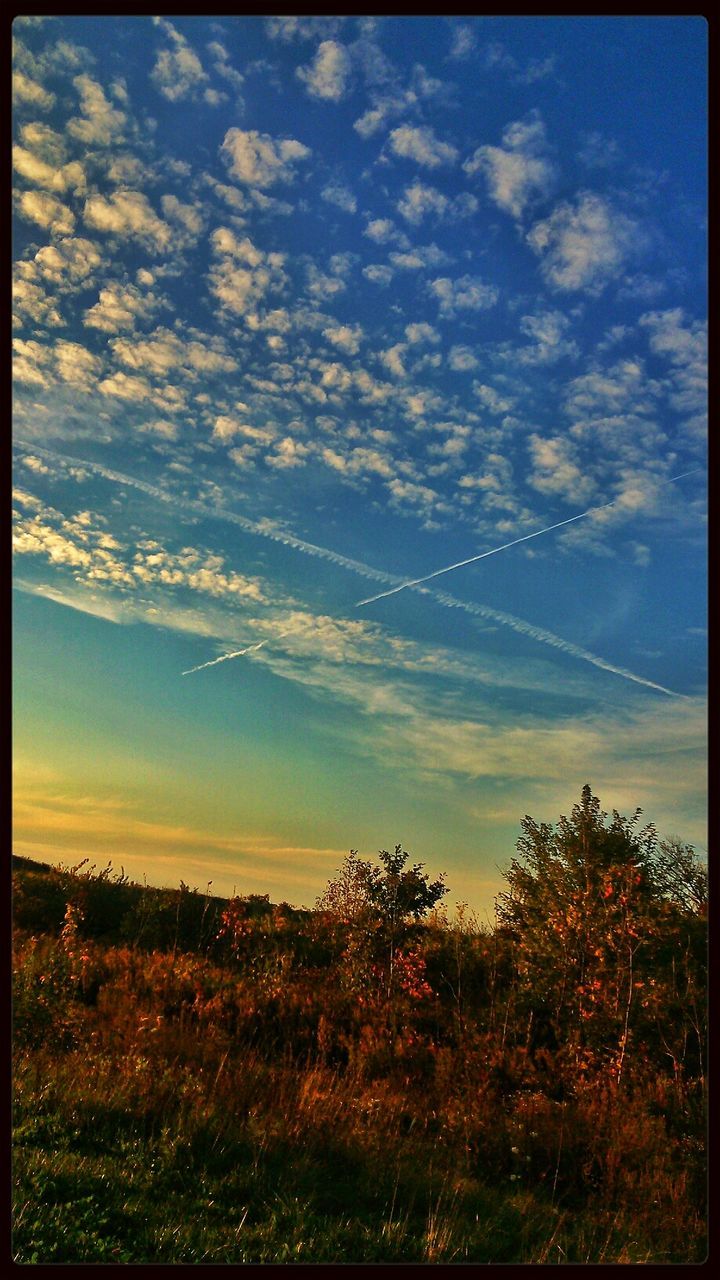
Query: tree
578,910
680,876
380,906
606,926
346,898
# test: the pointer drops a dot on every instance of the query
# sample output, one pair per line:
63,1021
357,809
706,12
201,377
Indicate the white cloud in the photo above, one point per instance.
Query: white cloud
124,387
419,200
418,142
128,214
556,469
684,344
188,216
178,72
52,177
164,350
76,365
327,75
101,124
518,170
47,211
259,160
119,306
420,331
27,92
625,386
468,293
384,231
29,363
322,286
423,255
296,28
378,273
31,303
44,142
289,453
598,152
585,244
337,193
463,43
462,360
242,274
393,359
222,65
347,337
547,330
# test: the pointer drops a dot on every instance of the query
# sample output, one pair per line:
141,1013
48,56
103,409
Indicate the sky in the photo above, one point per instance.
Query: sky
304,312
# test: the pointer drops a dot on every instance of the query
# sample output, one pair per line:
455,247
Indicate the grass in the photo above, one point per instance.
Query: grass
171,1107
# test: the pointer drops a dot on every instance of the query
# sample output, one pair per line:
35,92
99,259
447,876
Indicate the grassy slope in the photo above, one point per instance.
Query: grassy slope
151,1127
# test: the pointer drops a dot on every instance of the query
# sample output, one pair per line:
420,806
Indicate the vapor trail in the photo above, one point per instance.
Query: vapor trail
260,528
265,530
238,653
546,637
414,582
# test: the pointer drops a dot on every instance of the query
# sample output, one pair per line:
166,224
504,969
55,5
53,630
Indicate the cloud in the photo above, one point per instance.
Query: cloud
296,28
242,274
101,124
378,273
52,177
517,171
347,337
584,244
222,65
47,211
621,388
463,43
32,304
178,72
77,365
384,231
468,293
556,469
188,217
259,160
462,360
599,152
419,143
547,330
419,200
289,453
27,92
327,75
28,361
128,214
420,331
423,255
683,343
338,194
119,306
163,351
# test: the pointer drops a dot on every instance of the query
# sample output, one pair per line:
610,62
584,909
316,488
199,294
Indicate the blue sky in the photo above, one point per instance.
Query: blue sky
306,310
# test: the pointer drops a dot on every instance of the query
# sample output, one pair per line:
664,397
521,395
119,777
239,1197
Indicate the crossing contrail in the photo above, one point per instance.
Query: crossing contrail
265,530
415,582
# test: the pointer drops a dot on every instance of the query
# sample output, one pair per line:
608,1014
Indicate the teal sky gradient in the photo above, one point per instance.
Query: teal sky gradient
308,308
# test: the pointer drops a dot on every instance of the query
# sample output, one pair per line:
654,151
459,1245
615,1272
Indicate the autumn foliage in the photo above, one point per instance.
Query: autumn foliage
548,1072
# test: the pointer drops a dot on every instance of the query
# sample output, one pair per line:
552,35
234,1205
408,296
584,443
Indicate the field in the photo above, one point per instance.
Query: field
201,1080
